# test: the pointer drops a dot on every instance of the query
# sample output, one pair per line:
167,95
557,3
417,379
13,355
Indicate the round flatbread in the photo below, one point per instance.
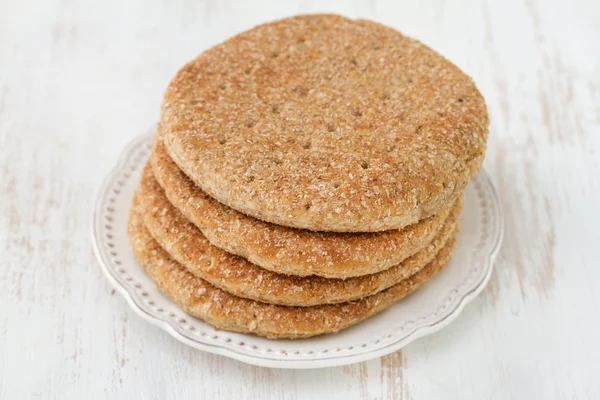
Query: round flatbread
289,250
236,275
225,311
324,123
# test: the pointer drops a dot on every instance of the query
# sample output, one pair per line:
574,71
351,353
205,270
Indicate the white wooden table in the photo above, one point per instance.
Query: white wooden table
79,80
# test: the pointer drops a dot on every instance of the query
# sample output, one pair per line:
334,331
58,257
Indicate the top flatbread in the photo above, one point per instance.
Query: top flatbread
328,124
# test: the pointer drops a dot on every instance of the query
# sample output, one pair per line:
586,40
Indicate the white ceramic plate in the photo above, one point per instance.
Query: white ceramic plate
427,310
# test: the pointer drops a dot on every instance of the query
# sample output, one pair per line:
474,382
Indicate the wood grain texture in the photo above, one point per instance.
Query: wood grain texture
79,79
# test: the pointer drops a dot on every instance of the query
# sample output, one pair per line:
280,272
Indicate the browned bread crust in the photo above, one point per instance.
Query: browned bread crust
289,250
225,311
328,124
186,244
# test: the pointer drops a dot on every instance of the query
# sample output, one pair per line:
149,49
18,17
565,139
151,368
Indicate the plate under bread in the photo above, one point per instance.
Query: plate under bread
428,310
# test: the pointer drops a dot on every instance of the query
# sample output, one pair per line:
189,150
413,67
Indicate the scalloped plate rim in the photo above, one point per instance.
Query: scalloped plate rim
260,360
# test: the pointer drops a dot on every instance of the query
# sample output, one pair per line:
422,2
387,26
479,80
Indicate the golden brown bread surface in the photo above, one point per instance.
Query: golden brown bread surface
186,244
325,123
289,250
225,311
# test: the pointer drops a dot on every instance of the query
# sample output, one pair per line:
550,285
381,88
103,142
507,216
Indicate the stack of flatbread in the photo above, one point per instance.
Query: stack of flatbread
305,175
